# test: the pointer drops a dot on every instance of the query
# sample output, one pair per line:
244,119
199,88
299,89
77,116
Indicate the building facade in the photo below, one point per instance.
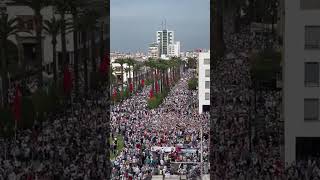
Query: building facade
164,39
204,81
301,79
117,71
174,49
153,51
24,44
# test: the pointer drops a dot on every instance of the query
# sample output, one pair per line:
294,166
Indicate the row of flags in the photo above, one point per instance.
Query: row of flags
131,87
67,76
157,88
67,86
151,93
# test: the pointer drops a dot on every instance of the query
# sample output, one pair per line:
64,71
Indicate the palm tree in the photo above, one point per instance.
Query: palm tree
130,62
37,6
89,21
8,27
121,62
113,78
151,63
53,27
62,7
82,26
136,73
127,71
75,45
162,66
74,7
85,61
92,28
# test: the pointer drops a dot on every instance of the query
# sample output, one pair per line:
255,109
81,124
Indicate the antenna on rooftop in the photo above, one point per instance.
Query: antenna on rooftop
165,23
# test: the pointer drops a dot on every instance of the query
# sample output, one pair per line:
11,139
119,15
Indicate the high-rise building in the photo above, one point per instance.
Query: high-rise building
204,81
164,39
153,50
301,79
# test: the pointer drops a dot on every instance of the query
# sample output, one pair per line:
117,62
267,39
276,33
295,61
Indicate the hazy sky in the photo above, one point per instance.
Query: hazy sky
134,23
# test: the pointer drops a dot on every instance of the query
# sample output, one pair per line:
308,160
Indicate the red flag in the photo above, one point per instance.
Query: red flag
157,87
115,92
142,82
151,93
104,64
67,82
17,104
131,87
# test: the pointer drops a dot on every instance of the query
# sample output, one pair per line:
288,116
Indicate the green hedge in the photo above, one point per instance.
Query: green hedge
193,83
148,82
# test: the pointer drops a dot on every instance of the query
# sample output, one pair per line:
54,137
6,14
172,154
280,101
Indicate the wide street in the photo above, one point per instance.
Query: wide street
155,139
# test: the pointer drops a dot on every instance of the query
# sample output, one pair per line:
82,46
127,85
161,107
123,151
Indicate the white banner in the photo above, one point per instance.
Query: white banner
163,149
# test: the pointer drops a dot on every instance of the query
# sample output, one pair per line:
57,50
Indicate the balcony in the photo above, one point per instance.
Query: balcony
312,45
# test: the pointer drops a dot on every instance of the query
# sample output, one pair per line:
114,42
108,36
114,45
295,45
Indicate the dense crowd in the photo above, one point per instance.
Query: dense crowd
174,125
247,137
71,144
242,145
245,141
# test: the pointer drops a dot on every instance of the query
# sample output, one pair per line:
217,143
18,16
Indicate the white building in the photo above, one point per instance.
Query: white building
117,71
174,49
153,51
164,39
204,81
25,43
301,79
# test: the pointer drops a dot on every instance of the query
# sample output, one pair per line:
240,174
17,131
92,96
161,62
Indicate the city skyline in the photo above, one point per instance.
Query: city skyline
143,20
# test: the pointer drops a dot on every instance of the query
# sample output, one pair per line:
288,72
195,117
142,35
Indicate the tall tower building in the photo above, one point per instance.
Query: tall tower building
164,38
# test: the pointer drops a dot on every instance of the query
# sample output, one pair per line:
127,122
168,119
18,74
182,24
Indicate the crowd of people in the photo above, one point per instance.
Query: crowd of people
71,144
242,145
157,141
247,137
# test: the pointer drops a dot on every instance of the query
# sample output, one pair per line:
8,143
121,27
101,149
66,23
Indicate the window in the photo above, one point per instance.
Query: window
207,73
309,4
312,37
311,109
207,96
311,74
206,61
207,85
